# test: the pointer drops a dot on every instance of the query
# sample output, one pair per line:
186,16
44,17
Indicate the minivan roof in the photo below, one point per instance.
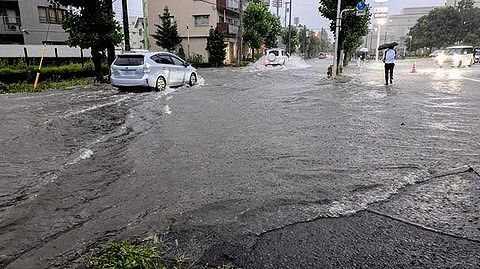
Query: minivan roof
146,53
460,47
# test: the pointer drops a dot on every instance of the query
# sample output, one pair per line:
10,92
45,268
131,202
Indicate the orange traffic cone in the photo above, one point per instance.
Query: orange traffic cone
414,68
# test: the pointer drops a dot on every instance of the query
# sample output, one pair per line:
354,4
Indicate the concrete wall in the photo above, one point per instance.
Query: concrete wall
35,51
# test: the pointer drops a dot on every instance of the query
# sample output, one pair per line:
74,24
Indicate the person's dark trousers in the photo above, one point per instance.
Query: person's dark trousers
389,72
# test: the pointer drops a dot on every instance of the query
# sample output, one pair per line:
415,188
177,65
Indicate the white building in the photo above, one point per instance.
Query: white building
136,33
396,28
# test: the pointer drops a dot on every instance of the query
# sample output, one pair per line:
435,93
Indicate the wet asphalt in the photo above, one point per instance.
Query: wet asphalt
259,167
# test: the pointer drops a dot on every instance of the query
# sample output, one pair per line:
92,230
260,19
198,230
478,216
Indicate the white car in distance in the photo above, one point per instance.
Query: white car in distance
456,56
276,57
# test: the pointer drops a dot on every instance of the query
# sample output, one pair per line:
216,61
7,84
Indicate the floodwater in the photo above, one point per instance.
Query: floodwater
256,147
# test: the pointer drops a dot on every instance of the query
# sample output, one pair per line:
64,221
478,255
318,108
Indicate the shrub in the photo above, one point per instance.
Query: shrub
18,73
196,59
28,87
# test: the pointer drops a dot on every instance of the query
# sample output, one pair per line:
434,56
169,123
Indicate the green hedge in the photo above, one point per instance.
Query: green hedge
14,74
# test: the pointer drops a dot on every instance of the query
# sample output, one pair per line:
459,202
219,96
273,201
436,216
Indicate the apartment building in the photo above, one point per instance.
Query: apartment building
136,33
27,22
194,19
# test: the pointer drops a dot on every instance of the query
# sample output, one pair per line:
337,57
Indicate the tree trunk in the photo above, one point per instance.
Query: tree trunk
111,47
97,63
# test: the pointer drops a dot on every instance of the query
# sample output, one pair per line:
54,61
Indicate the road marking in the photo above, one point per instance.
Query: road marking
471,79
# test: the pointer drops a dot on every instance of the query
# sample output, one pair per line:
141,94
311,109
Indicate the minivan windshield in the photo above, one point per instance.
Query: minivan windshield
129,60
453,51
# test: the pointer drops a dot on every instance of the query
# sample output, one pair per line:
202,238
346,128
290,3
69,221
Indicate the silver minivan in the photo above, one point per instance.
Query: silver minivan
155,70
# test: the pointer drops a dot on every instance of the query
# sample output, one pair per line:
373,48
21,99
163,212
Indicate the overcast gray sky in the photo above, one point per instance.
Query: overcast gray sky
306,10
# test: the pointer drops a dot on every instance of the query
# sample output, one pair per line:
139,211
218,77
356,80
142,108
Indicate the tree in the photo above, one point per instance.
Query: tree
216,47
441,27
447,26
353,27
91,25
470,17
166,34
271,40
260,26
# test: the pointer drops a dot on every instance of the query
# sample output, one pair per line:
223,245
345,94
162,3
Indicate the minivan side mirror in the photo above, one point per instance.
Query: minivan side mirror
186,64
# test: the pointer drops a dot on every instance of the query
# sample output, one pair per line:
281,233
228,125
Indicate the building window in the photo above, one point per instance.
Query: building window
50,15
201,20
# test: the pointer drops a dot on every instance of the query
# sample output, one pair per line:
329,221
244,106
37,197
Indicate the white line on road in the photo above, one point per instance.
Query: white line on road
471,79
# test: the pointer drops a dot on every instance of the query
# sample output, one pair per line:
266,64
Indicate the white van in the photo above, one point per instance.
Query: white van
458,56
276,57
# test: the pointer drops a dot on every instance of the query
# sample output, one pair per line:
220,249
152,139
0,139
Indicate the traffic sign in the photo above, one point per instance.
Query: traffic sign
361,6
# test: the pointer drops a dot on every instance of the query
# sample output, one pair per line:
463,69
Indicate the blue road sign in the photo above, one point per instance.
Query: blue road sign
361,6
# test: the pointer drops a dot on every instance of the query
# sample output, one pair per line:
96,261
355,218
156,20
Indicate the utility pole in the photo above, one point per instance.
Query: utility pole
305,43
290,26
277,2
146,31
126,31
240,34
286,10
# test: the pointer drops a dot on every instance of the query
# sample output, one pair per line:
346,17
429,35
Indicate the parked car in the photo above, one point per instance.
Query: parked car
322,55
155,70
457,56
276,57
477,55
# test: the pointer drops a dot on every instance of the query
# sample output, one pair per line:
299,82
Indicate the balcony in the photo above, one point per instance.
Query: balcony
230,6
10,25
228,29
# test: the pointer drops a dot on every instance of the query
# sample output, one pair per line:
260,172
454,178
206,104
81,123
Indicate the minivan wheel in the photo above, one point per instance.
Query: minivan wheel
161,84
193,79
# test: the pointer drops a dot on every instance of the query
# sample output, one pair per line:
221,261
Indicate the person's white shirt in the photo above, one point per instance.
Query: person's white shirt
390,56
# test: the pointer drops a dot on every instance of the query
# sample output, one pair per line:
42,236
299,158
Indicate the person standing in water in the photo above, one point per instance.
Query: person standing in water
389,61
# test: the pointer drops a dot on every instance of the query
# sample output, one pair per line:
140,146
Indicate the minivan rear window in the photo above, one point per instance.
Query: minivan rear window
129,60
275,52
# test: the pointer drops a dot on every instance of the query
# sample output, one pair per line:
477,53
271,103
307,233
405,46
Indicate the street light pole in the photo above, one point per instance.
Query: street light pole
377,51
337,39
290,27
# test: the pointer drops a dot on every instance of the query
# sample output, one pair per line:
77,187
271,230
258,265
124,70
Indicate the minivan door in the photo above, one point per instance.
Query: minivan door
181,69
169,67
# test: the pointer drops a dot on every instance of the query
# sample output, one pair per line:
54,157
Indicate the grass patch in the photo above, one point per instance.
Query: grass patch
157,254
46,85
124,255
241,64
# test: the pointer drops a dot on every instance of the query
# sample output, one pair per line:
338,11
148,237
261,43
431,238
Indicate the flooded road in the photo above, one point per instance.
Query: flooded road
254,149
